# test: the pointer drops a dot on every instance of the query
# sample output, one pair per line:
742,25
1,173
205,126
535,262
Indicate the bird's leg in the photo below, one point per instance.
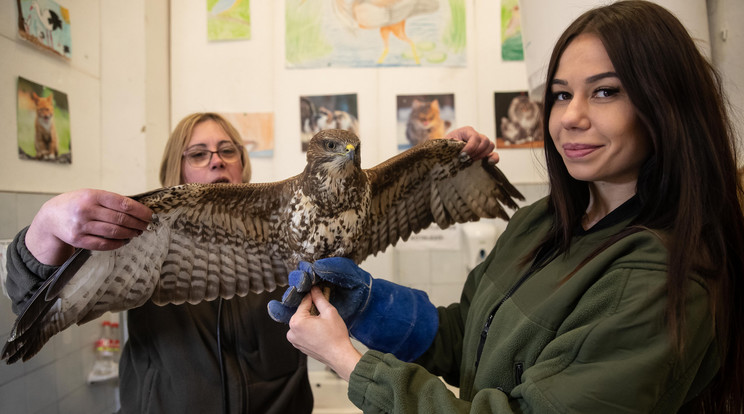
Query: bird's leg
326,288
383,56
415,54
399,30
385,34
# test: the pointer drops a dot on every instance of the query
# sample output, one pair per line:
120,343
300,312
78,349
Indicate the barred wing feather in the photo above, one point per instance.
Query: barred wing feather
221,240
205,242
431,183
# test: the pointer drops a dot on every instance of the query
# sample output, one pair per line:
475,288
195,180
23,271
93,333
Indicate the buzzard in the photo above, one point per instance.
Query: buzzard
219,240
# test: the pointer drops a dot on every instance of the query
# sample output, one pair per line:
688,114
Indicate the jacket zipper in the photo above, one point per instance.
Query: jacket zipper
518,371
487,325
232,324
543,256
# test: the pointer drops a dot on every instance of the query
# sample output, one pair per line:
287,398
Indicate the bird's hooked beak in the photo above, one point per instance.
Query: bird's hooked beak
350,151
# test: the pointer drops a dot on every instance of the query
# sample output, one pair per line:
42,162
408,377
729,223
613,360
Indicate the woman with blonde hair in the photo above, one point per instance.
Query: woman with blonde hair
171,165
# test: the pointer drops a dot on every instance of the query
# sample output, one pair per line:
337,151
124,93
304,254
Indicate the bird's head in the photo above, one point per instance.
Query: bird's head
334,152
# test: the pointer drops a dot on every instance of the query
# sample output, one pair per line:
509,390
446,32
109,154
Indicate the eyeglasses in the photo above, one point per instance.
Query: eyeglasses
200,157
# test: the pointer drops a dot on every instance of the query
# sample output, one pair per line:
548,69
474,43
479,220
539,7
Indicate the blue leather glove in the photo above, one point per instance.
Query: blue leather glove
380,314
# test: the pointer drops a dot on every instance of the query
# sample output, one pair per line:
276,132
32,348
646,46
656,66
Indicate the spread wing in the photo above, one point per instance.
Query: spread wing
207,241
431,183
211,241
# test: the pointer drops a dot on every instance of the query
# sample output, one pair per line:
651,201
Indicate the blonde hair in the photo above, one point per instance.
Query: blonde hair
171,165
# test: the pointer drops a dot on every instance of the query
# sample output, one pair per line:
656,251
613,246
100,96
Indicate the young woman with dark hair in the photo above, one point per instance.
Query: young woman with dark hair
618,292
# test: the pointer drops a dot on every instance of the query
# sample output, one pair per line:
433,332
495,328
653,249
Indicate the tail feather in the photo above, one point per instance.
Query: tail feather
20,350
30,342
46,295
511,192
67,270
41,318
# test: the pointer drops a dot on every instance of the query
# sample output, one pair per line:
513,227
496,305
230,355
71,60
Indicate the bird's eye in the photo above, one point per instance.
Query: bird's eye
330,145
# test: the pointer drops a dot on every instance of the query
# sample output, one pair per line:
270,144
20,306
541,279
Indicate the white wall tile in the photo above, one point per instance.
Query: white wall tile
447,267
13,397
412,266
28,205
41,388
445,294
69,374
8,214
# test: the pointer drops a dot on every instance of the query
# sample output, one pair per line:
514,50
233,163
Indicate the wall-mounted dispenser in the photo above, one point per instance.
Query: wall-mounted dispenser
478,239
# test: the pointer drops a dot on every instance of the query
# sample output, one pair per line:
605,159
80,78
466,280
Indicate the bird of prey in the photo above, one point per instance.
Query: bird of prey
219,240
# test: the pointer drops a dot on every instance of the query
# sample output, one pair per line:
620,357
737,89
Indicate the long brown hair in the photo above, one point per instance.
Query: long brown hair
688,187
171,165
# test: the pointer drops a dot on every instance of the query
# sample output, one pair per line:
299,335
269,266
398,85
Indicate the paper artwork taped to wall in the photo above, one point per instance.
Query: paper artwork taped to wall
43,123
423,117
364,33
519,122
327,112
45,24
228,19
257,131
511,31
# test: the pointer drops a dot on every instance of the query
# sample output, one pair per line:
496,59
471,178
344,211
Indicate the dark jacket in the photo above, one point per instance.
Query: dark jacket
171,362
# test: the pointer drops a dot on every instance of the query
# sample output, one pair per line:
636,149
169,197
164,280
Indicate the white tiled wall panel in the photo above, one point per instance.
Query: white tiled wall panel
53,381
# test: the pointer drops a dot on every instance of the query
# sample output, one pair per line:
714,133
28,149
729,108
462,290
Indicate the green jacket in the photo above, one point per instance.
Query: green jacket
594,343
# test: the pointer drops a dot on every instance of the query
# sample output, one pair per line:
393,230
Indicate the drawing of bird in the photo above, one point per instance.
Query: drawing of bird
514,26
48,18
223,6
388,15
220,240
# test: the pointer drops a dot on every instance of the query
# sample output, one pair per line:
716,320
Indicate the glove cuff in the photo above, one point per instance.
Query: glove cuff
397,320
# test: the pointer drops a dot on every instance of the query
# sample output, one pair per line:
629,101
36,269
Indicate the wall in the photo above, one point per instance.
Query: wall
134,73
119,115
726,38
80,75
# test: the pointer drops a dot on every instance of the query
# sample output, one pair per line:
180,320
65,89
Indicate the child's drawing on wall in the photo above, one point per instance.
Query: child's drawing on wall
365,33
511,31
228,19
45,24
257,131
